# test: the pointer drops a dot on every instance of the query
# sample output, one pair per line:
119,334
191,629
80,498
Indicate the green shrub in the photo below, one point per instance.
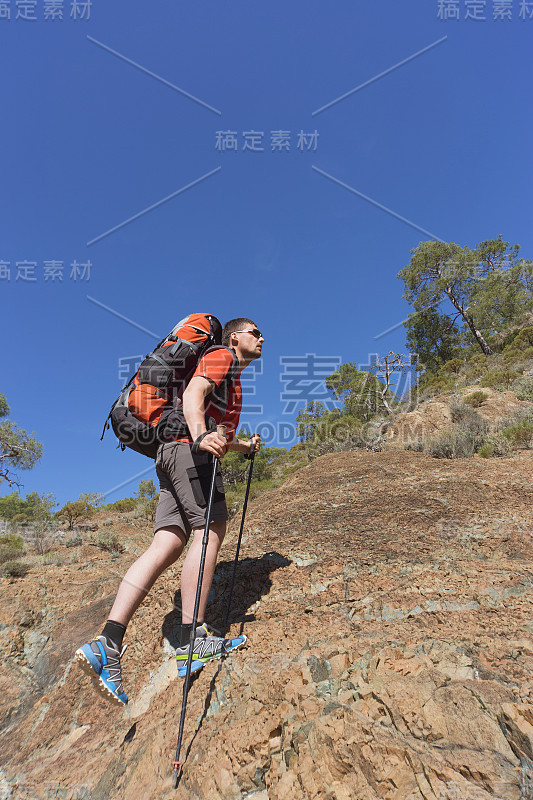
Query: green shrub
11,547
468,420
486,450
75,512
338,433
518,360
53,558
467,436
416,447
454,366
459,411
108,540
476,366
476,399
520,343
12,540
509,338
126,504
34,507
523,388
500,379
73,541
516,418
494,446
145,509
520,435
451,444
474,426
15,569
479,360
437,384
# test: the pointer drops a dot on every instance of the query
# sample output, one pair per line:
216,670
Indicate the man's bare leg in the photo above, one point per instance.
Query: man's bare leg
207,646
191,568
100,658
166,548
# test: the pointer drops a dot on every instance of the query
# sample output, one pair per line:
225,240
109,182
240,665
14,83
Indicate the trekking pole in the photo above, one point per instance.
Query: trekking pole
251,457
176,764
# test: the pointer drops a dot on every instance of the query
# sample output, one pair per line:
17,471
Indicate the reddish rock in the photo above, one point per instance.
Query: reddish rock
387,603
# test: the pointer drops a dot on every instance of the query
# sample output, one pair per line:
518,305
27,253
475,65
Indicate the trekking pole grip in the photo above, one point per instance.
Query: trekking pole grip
251,454
221,430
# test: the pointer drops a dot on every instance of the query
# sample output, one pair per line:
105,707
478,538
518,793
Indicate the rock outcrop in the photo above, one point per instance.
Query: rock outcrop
387,602
433,416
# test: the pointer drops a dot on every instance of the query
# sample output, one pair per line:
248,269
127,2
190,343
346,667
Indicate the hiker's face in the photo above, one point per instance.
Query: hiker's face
249,344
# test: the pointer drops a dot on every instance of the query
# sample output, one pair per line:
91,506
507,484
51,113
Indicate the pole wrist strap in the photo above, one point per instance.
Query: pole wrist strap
195,446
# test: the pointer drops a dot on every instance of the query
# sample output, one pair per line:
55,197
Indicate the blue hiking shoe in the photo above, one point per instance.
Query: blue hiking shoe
102,662
206,648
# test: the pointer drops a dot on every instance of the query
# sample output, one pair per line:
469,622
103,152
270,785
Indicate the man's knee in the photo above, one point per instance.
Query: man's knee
219,528
217,531
169,543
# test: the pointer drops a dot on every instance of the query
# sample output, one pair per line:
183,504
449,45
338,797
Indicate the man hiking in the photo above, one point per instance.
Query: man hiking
184,468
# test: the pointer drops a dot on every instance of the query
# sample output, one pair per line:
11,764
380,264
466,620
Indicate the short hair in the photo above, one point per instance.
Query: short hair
232,326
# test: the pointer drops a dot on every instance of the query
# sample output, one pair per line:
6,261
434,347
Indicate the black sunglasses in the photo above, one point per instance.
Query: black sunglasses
254,331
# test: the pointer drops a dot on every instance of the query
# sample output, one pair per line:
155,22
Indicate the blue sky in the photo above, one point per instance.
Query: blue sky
90,140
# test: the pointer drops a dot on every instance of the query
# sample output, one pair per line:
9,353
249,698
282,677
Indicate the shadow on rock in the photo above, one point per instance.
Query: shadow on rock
252,581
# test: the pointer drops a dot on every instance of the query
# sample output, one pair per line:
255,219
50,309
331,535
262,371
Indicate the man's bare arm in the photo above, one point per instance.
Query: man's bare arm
194,404
194,413
243,446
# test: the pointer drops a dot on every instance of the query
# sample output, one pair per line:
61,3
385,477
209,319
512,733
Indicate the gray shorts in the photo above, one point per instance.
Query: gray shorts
184,481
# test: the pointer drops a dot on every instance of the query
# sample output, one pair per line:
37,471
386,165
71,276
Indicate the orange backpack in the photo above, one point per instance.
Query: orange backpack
143,408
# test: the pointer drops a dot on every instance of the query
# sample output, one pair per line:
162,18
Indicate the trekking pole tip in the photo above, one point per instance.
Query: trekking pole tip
176,773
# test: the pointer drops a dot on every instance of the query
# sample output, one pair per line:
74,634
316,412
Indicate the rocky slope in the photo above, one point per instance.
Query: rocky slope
387,602
433,416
